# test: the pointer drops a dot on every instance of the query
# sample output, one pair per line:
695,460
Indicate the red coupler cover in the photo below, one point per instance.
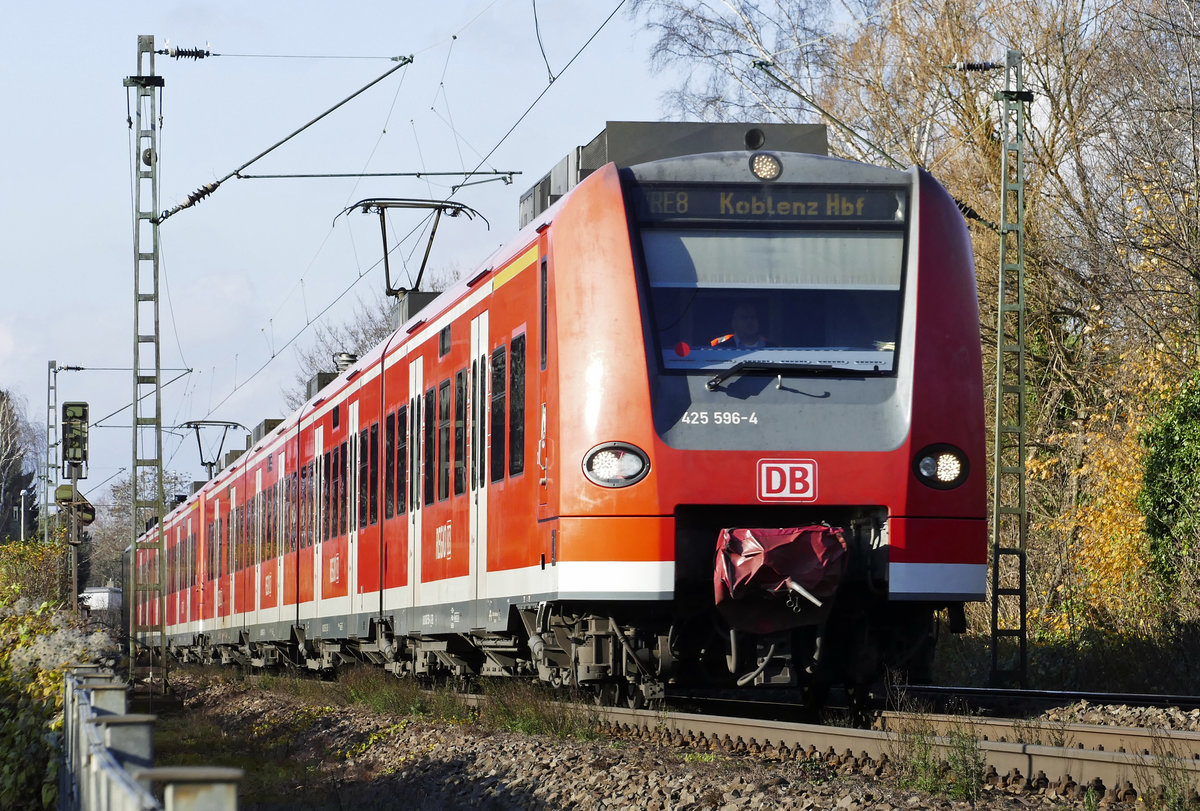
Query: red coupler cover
755,569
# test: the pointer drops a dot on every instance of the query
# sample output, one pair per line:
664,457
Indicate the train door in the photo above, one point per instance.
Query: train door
353,506
279,532
477,414
256,551
233,559
320,506
415,382
190,572
208,525
545,445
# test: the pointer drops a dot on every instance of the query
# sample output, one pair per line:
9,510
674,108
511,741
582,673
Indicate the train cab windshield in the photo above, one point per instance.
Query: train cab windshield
800,279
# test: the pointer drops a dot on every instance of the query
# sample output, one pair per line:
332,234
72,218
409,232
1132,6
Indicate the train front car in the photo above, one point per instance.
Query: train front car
773,396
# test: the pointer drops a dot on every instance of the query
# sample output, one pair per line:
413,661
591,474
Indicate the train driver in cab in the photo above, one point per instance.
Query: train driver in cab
746,331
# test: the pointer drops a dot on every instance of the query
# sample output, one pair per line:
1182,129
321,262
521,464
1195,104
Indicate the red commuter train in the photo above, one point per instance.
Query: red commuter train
585,464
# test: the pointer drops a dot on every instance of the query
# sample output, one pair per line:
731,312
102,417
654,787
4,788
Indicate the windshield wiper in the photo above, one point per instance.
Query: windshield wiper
764,365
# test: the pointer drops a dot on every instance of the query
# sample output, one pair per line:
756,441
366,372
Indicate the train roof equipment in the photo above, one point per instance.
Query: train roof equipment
628,143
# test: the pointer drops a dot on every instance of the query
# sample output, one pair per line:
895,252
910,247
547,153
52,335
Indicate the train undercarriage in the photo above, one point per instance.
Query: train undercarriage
623,655
844,632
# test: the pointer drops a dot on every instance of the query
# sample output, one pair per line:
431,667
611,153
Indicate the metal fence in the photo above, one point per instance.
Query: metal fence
109,757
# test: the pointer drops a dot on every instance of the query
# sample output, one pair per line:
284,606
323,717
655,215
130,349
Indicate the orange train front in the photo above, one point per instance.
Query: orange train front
708,419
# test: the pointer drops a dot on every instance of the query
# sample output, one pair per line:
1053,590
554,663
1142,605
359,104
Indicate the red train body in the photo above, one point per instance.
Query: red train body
531,476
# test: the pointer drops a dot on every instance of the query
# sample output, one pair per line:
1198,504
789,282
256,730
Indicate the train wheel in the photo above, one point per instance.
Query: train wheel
606,694
858,698
633,697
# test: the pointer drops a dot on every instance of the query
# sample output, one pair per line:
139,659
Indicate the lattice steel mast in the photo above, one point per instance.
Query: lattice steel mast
50,479
1009,514
148,559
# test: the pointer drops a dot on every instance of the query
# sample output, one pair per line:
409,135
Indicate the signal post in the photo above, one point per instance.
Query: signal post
75,457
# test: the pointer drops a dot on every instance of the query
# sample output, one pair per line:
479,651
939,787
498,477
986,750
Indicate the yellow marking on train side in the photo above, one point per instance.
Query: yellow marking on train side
523,261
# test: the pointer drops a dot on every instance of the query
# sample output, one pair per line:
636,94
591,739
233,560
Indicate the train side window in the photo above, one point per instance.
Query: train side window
264,524
344,513
544,314
374,467
444,341
266,499
481,404
389,466
256,516
326,487
308,490
282,537
498,389
430,446
414,444
443,439
272,514
269,523
516,407
304,512
292,504
337,416
313,525
247,531
460,440
401,456
476,428
268,511
364,476
335,490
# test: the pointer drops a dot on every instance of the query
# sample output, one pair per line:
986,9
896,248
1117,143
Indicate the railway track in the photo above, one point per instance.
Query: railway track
1015,755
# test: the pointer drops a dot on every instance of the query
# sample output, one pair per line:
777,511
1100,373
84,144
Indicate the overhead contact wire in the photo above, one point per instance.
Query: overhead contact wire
545,90
206,190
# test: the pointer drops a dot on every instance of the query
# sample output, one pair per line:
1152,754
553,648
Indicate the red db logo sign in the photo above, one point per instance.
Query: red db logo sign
787,480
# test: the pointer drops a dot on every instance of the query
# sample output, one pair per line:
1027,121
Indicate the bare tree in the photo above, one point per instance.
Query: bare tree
18,439
109,535
1112,161
371,323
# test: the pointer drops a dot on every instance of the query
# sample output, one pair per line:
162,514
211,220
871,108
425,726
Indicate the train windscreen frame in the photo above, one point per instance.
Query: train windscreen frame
821,270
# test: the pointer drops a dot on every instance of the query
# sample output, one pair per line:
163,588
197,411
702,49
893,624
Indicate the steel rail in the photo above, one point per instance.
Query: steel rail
1153,758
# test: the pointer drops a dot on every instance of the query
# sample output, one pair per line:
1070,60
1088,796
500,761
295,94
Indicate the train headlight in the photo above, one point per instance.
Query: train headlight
941,466
615,464
765,166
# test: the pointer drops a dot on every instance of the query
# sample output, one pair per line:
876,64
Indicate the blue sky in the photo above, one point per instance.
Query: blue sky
250,266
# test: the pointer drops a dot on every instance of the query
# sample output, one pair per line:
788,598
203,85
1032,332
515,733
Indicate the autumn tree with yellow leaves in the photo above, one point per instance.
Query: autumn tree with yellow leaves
1112,161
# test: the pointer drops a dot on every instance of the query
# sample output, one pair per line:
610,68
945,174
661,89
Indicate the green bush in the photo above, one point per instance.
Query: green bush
1170,496
37,645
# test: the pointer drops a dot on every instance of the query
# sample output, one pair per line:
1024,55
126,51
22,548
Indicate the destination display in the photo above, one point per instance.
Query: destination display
682,202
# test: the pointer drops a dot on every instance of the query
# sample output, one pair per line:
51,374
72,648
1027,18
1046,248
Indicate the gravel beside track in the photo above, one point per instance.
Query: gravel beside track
1122,715
359,759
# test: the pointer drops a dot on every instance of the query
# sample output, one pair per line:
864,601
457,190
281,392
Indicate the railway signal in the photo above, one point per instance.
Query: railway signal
75,439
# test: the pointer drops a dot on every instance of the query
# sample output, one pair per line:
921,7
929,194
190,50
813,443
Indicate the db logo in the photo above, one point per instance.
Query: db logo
787,480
